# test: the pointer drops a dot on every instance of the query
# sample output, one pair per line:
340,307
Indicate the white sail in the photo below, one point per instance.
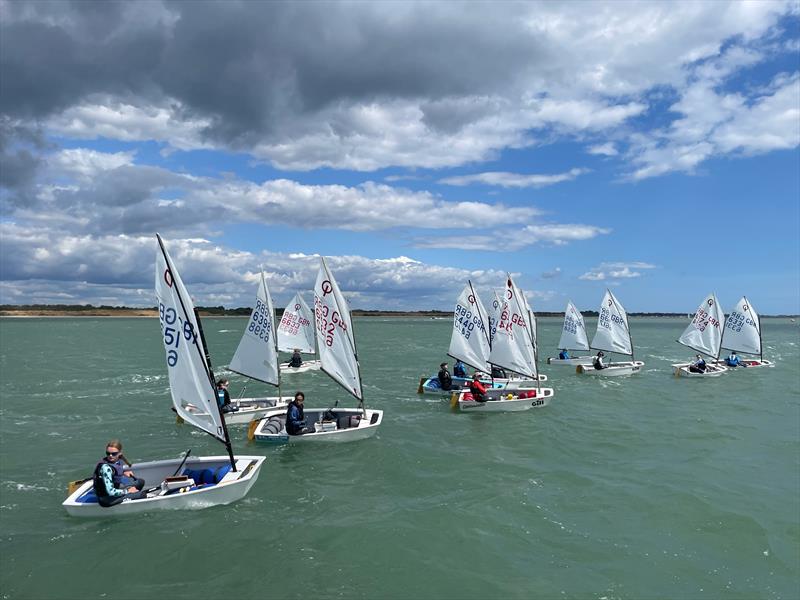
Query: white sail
257,357
612,333
337,349
534,329
493,315
296,329
189,377
573,334
469,341
513,345
704,333
742,331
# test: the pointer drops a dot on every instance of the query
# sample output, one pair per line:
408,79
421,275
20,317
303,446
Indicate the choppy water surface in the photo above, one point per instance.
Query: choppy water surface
640,487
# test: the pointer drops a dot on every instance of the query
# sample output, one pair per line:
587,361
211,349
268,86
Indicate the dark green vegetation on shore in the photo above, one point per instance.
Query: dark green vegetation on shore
89,310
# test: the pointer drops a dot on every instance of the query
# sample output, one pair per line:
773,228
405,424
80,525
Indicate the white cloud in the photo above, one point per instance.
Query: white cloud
553,274
100,194
86,164
771,122
607,149
718,123
104,116
537,71
616,270
506,240
513,180
117,269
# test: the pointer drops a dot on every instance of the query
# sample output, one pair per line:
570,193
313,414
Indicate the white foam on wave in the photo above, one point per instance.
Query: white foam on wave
26,487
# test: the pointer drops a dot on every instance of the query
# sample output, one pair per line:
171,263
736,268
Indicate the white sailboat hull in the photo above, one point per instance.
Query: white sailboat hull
430,385
499,401
746,363
712,370
265,431
612,370
573,362
308,365
232,487
254,408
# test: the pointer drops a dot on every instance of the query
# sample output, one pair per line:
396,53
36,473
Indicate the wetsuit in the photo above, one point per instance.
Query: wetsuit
445,380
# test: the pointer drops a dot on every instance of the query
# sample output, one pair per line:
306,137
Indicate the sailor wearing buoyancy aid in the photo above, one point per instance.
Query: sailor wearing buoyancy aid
295,416
112,481
733,360
224,398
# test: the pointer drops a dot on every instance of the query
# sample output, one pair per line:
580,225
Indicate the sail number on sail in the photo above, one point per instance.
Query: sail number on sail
260,322
736,321
570,324
507,324
325,327
292,322
167,318
702,320
606,318
465,322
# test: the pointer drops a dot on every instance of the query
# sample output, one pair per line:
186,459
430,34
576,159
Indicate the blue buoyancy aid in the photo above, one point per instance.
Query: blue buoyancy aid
295,418
221,399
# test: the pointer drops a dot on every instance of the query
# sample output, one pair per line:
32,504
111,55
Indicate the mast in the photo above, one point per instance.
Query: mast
203,354
722,337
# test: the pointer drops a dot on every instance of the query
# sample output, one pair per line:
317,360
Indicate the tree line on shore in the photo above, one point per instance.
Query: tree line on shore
8,310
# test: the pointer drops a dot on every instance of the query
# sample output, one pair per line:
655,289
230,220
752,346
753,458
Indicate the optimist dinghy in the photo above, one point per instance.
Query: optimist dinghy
703,334
742,333
514,349
612,335
471,343
296,331
337,351
256,357
175,484
573,337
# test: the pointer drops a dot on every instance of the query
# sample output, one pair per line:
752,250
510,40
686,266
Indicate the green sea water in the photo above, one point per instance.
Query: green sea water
640,487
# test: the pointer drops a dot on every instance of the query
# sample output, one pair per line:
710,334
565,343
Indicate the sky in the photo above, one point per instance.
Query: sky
646,147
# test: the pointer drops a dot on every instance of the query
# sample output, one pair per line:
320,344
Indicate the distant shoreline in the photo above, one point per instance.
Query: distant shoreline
22,311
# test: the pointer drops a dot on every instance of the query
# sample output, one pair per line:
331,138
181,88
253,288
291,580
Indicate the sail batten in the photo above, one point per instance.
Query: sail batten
337,348
257,356
191,385
613,334
469,341
296,328
704,333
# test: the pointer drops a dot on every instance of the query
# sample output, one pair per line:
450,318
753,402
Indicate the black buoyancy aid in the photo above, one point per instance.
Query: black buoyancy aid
99,484
445,380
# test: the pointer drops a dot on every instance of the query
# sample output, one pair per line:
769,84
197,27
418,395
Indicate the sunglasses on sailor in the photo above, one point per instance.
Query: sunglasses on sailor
112,452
